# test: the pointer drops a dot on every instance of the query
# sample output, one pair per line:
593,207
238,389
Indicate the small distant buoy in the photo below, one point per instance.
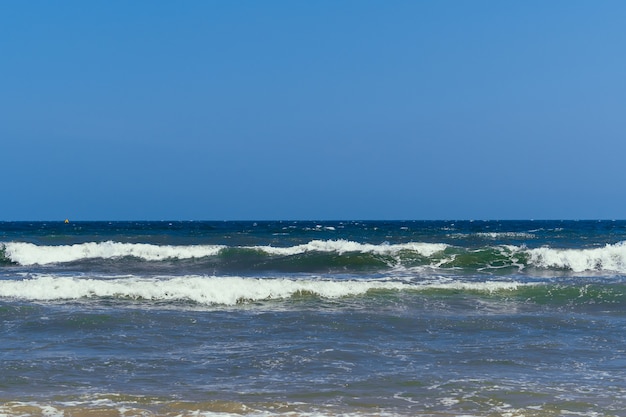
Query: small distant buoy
66,221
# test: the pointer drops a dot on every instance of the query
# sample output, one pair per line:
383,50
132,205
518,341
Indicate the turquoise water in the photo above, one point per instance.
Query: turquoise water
313,318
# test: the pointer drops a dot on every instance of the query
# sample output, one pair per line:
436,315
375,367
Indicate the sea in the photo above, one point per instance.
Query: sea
303,318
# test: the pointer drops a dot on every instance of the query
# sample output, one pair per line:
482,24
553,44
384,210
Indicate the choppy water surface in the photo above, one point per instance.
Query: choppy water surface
313,319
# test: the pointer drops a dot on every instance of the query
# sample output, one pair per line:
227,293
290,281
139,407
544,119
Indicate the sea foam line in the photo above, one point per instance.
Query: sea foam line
213,290
606,258
30,254
611,257
343,246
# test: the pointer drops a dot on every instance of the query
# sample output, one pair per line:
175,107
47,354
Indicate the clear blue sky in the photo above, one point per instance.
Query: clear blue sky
214,110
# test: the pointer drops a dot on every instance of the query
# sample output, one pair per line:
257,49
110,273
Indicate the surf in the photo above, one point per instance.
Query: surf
333,256
219,290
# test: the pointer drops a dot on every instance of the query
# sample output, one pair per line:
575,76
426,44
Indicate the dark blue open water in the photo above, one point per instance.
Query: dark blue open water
371,318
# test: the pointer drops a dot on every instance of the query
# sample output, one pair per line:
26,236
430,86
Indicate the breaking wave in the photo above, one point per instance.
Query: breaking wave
31,254
217,290
320,255
231,291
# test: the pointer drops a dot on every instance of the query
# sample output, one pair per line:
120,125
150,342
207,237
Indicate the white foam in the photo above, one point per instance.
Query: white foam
204,290
211,290
123,408
494,235
30,254
506,235
488,286
25,409
343,246
606,258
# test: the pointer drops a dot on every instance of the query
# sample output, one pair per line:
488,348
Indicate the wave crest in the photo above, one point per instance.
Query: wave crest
336,255
215,290
607,258
31,254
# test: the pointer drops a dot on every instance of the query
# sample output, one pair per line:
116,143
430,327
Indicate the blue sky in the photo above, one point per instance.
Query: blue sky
221,110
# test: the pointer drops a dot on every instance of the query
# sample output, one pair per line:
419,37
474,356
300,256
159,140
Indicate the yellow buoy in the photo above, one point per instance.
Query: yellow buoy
66,221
